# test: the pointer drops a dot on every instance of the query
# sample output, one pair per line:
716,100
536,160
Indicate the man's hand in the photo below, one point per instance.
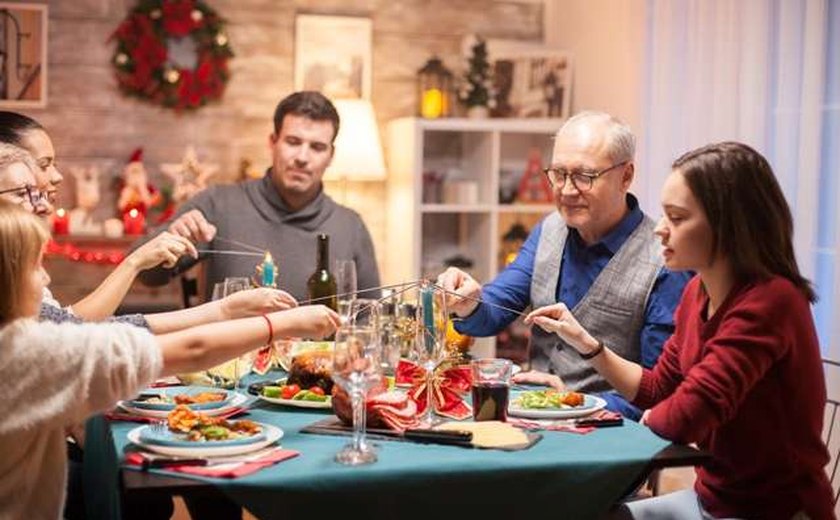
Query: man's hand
194,226
255,302
309,321
467,291
165,249
532,377
558,319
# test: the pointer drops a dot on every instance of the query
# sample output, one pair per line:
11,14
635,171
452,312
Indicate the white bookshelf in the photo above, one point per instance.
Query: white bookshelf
420,234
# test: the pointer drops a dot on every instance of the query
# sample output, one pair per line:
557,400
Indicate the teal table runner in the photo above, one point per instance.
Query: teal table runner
565,475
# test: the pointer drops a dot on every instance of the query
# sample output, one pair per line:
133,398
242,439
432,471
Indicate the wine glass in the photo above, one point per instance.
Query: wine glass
232,372
430,341
356,368
389,339
346,286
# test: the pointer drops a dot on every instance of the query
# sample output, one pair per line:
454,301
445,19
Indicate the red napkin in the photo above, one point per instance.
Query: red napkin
606,416
130,417
231,470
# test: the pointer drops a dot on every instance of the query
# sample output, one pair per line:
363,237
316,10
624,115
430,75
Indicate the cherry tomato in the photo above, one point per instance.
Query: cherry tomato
317,390
289,391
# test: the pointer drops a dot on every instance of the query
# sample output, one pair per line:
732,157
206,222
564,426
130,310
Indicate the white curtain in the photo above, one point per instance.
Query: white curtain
767,73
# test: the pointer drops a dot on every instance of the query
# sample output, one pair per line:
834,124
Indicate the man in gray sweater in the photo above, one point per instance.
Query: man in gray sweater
282,213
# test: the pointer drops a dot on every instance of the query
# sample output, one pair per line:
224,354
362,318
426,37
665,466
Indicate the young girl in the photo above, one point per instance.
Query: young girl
55,375
742,375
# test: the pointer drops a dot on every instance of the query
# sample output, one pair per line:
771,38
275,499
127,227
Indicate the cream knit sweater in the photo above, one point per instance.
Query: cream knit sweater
53,376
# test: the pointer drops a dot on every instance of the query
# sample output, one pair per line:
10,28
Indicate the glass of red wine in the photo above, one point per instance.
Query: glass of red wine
491,388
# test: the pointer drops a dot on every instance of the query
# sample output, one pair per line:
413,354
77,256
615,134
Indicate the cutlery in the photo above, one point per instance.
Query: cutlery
162,461
439,436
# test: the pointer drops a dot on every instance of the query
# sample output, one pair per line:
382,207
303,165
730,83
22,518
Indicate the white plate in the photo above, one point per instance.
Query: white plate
236,401
297,403
205,449
591,404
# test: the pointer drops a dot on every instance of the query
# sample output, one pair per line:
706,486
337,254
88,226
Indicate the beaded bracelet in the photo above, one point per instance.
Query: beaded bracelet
590,355
270,330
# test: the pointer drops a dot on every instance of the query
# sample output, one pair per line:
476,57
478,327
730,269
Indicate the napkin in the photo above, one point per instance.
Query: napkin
580,426
244,466
116,415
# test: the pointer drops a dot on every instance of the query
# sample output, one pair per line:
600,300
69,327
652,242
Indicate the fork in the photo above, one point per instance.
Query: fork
158,427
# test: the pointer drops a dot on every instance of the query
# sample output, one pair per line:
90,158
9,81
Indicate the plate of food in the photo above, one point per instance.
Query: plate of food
236,400
194,434
281,392
553,404
166,399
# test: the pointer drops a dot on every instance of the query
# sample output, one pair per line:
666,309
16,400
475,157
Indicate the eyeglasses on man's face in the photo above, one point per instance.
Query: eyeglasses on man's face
582,180
28,193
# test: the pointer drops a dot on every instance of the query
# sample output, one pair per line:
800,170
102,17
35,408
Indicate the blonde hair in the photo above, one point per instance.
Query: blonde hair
22,237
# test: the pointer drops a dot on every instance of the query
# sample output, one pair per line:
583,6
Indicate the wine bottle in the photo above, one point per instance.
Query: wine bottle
321,285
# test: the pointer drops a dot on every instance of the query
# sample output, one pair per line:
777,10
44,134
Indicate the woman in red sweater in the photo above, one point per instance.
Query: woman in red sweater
742,375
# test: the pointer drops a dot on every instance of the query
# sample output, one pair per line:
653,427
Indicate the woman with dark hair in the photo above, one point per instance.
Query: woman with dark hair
25,132
742,375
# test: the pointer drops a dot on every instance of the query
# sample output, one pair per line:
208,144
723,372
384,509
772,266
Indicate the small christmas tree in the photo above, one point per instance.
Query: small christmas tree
477,84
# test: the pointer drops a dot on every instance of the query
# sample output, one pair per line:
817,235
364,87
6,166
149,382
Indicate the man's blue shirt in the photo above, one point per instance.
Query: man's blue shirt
580,266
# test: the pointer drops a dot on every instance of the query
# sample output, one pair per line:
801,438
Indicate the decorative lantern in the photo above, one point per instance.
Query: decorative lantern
434,89
512,242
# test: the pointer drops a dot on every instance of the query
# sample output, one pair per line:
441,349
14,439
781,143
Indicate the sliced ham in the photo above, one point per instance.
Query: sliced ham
393,409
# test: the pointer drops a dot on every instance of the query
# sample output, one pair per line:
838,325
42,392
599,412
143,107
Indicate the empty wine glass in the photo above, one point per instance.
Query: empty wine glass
356,368
430,341
232,372
345,286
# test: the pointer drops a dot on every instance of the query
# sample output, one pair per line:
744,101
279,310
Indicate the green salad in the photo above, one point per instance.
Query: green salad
550,398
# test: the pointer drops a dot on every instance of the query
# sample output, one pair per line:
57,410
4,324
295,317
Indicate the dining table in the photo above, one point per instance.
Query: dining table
564,474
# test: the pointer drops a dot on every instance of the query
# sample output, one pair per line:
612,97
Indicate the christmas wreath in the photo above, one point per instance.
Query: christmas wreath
146,66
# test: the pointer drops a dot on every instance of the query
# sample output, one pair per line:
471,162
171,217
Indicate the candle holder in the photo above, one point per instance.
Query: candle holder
434,89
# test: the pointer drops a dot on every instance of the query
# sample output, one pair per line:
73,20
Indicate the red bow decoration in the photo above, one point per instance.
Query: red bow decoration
449,387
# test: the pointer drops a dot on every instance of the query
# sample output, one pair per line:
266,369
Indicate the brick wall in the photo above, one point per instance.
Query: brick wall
92,123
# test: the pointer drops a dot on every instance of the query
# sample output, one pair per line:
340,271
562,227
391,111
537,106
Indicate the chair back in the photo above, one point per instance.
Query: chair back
831,426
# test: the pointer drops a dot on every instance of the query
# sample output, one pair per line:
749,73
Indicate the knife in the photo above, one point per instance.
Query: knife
458,437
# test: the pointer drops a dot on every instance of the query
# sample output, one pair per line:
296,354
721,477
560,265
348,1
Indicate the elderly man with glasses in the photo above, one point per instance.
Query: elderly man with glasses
597,254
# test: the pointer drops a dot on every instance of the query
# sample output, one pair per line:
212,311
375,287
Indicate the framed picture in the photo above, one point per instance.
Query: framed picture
333,55
23,55
530,80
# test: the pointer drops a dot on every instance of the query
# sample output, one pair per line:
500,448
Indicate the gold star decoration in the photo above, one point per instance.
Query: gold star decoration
189,176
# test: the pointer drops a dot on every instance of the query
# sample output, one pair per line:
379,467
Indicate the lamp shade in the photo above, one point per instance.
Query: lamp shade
358,149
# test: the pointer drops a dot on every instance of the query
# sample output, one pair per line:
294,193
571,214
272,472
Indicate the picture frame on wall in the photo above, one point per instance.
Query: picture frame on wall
333,55
531,81
23,55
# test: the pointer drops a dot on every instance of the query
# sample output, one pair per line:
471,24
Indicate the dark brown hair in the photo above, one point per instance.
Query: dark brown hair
747,211
307,103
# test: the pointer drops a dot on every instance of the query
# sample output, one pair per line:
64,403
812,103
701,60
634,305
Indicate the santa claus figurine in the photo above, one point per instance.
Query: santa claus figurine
137,193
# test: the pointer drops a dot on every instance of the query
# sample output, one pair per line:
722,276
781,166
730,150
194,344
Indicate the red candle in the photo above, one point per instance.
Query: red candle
134,222
61,222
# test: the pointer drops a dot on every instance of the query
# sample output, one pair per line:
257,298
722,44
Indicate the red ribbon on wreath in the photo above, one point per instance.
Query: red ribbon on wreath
449,387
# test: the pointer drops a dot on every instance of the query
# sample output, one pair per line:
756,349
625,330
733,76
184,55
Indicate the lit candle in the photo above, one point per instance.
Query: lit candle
61,222
431,106
268,268
134,222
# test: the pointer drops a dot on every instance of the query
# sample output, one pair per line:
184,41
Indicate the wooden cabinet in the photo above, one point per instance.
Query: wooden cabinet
454,191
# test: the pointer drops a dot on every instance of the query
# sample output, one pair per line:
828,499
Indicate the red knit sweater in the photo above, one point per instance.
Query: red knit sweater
748,387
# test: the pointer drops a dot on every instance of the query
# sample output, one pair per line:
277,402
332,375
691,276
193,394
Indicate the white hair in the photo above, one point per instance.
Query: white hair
11,154
621,143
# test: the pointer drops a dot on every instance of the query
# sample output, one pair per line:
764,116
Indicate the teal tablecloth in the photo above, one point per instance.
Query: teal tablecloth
565,475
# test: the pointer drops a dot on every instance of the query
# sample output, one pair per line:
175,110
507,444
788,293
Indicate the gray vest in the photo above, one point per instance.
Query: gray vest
613,309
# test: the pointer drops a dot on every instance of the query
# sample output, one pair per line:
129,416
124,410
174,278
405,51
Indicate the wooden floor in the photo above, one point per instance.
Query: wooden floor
672,479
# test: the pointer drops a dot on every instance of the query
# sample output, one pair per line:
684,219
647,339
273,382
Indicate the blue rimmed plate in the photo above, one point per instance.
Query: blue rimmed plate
209,449
166,437
172,391
590,405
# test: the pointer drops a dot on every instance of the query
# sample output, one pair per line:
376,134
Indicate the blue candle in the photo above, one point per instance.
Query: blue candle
428,303
268,271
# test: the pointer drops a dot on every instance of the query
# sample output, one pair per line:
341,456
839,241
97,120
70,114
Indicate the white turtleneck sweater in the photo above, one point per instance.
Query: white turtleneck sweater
53,376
